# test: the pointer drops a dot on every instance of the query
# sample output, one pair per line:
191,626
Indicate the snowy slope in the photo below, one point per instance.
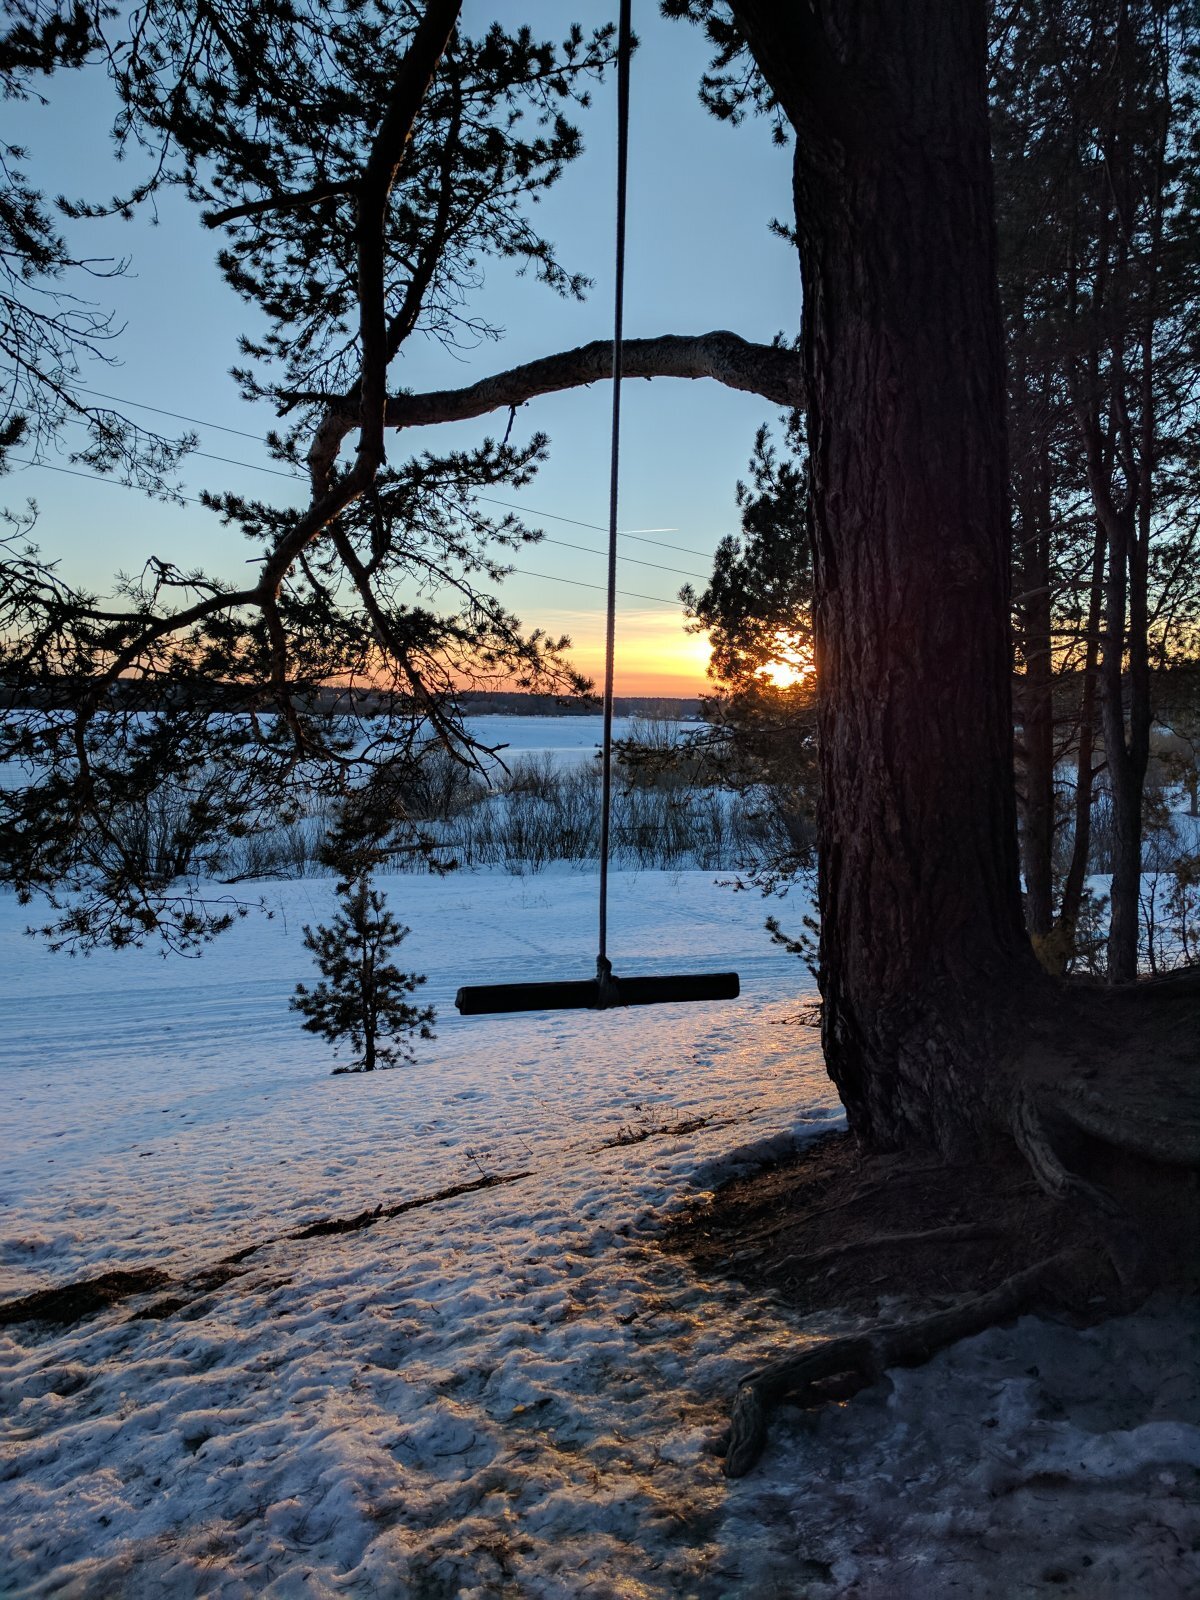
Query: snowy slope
157,1110
508,1393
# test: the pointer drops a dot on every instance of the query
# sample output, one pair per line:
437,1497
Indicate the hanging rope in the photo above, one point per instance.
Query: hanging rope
624,50
604,991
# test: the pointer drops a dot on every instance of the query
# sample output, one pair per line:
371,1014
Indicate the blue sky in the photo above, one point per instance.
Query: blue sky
700,256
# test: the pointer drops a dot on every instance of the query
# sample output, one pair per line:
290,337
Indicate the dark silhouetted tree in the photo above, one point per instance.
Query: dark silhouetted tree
360,185
756,612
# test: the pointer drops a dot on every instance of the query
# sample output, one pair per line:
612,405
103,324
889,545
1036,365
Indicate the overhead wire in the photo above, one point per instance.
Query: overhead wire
144,405
509,505
295,477
518,572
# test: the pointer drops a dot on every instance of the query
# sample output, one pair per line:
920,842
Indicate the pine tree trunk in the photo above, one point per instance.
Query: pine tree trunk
1127,757
922,939
370,1018
1072,896
1037,691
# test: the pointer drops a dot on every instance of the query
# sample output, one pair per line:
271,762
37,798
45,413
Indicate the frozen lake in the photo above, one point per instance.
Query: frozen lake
568,739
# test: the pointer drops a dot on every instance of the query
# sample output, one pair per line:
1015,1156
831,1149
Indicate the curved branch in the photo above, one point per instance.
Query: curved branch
276,203
764,369
388,150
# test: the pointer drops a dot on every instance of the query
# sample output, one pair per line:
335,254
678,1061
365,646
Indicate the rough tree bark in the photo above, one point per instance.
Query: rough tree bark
1033,530
922,942
1072,895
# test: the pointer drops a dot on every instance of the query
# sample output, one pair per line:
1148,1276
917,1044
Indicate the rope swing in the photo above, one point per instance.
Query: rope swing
606,990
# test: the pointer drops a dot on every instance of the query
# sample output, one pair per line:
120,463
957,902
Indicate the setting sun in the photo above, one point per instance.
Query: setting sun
793,662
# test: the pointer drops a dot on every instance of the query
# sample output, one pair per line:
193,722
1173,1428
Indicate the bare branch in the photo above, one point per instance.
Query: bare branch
388,150
767,370
276,203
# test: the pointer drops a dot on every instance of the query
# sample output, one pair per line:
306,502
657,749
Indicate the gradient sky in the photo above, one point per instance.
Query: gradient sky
699,257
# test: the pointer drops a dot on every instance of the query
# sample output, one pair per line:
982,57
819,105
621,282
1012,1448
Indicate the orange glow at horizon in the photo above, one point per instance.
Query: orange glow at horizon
654,657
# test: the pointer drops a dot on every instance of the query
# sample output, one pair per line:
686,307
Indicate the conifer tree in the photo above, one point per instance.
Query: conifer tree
363,996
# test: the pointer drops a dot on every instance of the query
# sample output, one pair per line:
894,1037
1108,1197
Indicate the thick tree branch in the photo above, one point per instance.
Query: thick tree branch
405,320
331,496
388,150
369,395
276,202
767,370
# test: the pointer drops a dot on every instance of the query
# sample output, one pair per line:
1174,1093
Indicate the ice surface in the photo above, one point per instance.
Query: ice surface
509,1393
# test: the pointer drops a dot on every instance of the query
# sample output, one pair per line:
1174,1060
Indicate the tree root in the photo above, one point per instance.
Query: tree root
866,1190
1121,1066
952,1233
1119,1233
1053,1178
864,1357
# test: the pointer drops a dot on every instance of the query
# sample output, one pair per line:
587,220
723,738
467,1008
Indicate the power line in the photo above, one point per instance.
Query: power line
229,461
161,411
578,583
519,572
97,477
530,511
252,466
296,478
632,560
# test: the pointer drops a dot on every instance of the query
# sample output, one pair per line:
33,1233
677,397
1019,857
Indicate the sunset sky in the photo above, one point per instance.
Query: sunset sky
700,257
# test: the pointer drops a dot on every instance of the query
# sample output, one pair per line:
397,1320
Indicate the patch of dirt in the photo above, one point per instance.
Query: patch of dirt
73,1301
832,1228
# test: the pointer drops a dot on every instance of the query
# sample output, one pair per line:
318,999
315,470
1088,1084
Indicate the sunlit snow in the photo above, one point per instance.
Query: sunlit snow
509,1393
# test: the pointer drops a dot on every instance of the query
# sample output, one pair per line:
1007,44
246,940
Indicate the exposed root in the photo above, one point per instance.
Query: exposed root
71,1302
1053,1178
1121,1065
1158,1120
859,1359
629,1134
325,1226
1119,1234
953,1233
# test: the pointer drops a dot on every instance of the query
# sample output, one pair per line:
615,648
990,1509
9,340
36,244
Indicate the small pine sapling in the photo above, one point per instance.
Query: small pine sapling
363,995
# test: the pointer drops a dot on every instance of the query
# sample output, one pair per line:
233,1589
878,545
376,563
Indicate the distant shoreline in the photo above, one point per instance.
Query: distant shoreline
670,708
134,694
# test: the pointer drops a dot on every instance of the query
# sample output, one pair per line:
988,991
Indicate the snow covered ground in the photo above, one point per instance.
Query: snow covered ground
510,1392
